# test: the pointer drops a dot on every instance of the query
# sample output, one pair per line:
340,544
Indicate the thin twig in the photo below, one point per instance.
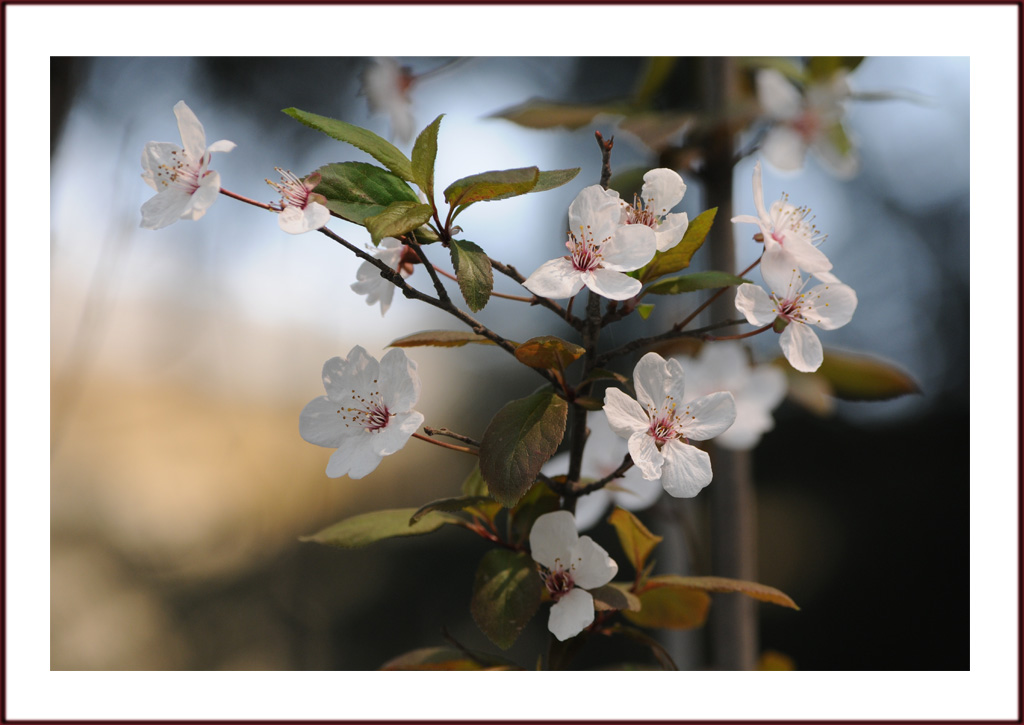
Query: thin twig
626,464
710,300
449,446
239,197
442,293
606,153
517,298
758,331
451,434
512,273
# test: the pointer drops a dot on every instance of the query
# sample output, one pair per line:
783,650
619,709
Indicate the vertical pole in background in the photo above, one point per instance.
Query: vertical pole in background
733,523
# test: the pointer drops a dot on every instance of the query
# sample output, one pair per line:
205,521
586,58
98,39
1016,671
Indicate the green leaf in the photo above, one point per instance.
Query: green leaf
602,374
367,141
757,591
400,217
538,113
519,440
424,153
636,540
589,402
615,596
474,485
473,269
655,74
838,139
446,659
506,595
548,351
491,186
861,377
671,607
440,338
694,282
355,190
458,503
548,180
659,652
645,311
368,528
678,257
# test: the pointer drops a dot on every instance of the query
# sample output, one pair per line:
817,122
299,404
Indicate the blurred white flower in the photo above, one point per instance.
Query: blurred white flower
603,454
570,564
660,426
301,210
828,306
367,412
600,251
386,86
758,390
368,280
186,187
662,190
791,228
807,119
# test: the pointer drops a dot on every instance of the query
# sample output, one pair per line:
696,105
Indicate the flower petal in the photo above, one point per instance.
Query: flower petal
203,197
320,423
590,508
556,279
755,304
593,208
686,471
708,416
396,434
781,272
552,539
625,416
637,493
801,347
662,190
164,209
759,194
611,284
193,137
399,382
784,148
807,256
631,247
650,378
571,614
779,98
592,567
355,457
221,146
671,231
646,456
829,306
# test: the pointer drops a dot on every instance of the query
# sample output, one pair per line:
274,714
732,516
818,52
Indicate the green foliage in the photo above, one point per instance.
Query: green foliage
670,607
862,377
538,113
356,190
519,440
368,528
457,503
367,141
473,270
506,595
823,67
548,351
539,500
839,140
548,180
424,154
400,217
441,338
678,257
645,311
757,591
615,597
491,186
474,485
636,540
694,282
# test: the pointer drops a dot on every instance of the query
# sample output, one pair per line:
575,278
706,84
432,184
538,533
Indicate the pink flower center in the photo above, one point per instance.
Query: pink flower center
584,252
367,412
667,423
183,172
807,124
558,582
639,213
293,190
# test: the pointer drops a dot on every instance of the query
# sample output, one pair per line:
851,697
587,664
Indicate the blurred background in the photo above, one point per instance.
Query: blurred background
181,358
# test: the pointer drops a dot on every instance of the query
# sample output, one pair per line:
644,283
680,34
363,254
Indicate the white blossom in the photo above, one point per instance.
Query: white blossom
661,425
828,306
186,187
301,210
367,412
603,454
789,227
803,120
663,189
570,565
757,390
368,280
386,86
601,250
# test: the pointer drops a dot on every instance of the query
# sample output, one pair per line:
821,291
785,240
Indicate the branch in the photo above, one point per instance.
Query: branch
626,464
606,153
445,432
512,273
442,293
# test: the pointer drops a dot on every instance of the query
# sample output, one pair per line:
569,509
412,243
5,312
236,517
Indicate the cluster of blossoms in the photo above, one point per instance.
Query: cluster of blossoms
367,412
